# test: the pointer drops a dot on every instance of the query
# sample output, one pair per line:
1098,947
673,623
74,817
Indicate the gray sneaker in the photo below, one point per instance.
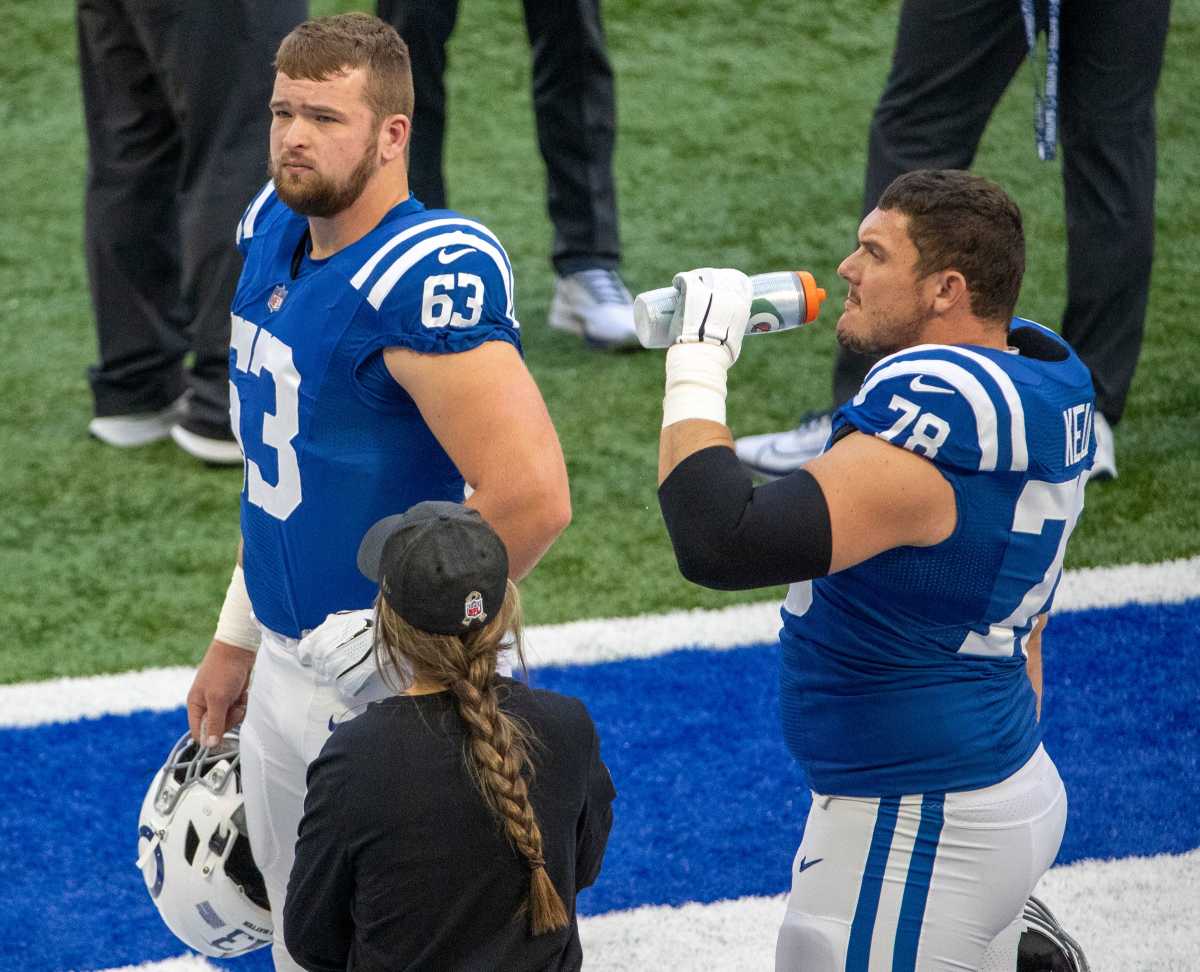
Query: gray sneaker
140,429
595,305
1104,465
776,454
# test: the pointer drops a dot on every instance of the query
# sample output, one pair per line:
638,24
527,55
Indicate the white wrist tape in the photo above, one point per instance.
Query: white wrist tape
236,624
696,375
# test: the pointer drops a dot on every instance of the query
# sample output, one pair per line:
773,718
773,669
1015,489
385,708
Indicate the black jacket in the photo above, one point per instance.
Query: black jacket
401,866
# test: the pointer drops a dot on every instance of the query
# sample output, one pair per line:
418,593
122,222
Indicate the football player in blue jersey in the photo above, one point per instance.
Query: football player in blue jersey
923,549
375,363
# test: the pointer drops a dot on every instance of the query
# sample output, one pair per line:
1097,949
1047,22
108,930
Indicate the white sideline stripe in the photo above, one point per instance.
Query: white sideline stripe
614,639
185,963
581,643
1128,915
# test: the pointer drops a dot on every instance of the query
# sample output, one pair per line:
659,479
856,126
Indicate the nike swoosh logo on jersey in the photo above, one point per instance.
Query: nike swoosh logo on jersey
918,385
806,864
445,255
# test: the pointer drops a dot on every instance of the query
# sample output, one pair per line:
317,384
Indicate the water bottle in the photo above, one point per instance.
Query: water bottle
781,300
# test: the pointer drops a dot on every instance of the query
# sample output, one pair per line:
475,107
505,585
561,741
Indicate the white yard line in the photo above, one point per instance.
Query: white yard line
581,643
1130,915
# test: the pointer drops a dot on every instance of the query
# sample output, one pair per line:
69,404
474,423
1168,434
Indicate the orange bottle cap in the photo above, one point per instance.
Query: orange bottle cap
813,295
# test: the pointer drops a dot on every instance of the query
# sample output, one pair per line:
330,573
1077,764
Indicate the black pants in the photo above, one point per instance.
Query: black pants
175,99
574,104
953,61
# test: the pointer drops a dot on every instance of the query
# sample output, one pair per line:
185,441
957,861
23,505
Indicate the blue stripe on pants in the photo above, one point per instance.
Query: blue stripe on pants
858,951
916,887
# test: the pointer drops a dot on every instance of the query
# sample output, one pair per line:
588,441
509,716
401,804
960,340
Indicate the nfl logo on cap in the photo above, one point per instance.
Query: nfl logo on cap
473,609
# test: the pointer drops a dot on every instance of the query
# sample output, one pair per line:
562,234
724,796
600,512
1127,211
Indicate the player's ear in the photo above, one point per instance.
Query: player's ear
393,137
950,291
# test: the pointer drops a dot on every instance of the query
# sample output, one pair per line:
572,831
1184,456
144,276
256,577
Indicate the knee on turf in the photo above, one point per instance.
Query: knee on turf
810,944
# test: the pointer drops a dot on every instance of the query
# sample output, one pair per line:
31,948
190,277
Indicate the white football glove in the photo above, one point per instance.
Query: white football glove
711,317
713,307
340,650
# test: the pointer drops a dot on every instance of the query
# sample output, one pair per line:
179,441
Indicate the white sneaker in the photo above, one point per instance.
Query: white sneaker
216,452
776,454
595,305
142,428
1104,465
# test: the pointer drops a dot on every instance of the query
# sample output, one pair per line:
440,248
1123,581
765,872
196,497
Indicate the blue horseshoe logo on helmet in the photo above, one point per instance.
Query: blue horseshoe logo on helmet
156,889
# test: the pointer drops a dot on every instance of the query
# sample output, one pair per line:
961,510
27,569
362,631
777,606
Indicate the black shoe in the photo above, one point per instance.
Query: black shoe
207,442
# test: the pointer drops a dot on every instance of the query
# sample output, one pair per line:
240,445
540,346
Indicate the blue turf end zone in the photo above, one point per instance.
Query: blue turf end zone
710,805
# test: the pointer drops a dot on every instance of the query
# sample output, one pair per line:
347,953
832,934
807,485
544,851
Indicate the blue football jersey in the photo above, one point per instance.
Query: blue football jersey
906,673
332,442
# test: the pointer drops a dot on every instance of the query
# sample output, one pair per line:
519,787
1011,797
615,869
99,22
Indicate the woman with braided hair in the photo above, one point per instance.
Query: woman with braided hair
451,825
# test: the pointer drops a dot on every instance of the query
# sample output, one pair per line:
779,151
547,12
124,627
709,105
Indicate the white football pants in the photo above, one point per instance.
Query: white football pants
287,723
919,883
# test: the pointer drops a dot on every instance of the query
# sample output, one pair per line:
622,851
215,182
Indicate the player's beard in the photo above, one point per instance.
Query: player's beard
316,195
886,335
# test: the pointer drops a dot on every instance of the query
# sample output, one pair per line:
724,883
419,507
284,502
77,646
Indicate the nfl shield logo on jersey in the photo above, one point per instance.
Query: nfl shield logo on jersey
473,609
275,301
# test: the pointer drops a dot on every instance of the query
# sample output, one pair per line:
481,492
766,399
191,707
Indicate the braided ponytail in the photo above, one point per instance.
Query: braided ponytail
497,744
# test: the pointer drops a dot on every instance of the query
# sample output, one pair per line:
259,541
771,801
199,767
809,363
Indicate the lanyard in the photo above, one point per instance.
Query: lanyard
1045,91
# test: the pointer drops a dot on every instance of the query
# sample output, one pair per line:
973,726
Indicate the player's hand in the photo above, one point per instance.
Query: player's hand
217,699
713,308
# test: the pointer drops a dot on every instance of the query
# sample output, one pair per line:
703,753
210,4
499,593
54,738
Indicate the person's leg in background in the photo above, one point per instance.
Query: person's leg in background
215,60
952,61
575,106
1111,60
426,26
574,102
131,232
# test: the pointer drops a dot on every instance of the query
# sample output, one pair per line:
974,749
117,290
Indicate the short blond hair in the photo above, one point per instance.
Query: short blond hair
322,48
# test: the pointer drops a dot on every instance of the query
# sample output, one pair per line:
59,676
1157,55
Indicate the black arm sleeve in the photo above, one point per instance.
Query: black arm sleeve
730,535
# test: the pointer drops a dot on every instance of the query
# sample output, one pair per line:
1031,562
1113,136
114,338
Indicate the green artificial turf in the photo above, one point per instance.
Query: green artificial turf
741,143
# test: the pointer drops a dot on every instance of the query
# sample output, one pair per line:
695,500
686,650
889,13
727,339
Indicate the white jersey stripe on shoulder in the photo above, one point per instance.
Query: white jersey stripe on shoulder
1020,446
965,383
422,248
368,268
246,227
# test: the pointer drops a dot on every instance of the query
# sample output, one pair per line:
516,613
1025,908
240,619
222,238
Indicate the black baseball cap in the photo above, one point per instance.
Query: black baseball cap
439,565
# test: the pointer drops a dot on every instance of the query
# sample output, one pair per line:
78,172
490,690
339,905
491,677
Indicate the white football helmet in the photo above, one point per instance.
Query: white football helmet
194,853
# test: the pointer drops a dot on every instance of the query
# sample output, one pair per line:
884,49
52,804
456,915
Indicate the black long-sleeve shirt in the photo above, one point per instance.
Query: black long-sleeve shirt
401,866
